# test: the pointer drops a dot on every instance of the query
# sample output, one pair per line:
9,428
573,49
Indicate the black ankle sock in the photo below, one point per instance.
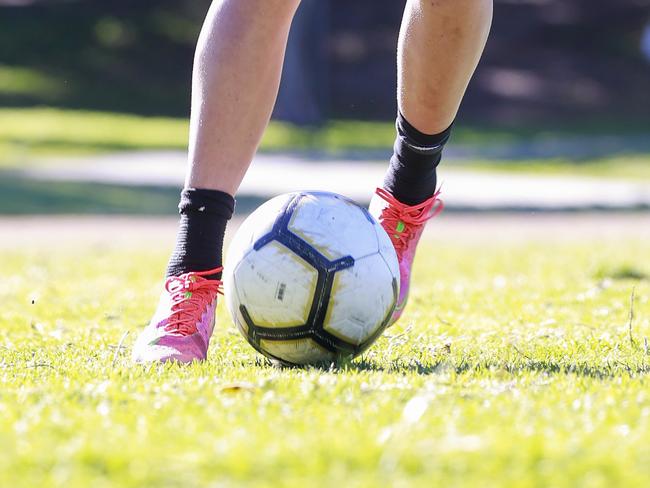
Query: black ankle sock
411,176
199,244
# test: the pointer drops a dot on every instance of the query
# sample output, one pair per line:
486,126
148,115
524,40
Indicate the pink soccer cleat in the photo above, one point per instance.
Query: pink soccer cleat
181,328
404,225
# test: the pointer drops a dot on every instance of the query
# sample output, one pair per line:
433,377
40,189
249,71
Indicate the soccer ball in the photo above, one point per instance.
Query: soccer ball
311,278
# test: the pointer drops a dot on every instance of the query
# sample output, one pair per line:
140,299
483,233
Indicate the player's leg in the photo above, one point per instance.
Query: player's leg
235,82
440,44
236,77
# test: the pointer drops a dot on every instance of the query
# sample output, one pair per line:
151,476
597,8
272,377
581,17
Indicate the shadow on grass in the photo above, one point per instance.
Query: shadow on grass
444,365
19,196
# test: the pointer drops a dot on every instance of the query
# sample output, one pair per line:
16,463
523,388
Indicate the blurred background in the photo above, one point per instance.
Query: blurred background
94,100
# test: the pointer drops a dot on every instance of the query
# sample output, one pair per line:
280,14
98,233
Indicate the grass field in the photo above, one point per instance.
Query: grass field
32,136
50,131
622,167
29,133
516,364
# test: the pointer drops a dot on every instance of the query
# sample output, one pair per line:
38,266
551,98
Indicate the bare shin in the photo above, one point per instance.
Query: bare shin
440,44
236,76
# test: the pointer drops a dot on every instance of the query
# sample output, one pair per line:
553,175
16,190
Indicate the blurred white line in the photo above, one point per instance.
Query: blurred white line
274,174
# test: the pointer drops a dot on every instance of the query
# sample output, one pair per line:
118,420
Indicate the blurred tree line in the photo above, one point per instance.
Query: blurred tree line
546,59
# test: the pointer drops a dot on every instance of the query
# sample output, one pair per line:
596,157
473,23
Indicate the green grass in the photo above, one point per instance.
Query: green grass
29,133
626,167
22,196
32,136
26,133
26,197
513,366
16,81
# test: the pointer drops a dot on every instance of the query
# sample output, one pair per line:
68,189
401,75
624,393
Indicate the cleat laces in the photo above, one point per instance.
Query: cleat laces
405,220
190,295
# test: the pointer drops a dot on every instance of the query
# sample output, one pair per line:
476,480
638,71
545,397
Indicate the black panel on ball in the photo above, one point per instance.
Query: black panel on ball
326,271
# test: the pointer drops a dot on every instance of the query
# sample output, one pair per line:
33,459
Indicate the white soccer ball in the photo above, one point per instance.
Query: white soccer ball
311,278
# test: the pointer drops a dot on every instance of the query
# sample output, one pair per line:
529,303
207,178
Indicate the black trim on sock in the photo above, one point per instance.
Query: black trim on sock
411,176
201,230
404,127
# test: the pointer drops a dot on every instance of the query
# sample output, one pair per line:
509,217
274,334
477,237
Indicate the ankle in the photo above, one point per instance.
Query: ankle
202,226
